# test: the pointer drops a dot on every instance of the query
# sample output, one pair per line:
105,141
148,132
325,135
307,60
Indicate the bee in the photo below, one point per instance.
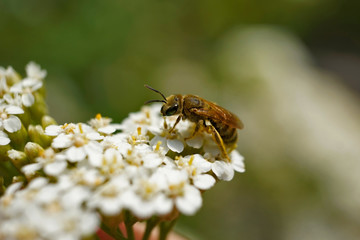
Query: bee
208,116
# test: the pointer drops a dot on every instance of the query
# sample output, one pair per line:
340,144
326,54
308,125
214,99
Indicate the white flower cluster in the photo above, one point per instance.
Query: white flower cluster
93,169
16,94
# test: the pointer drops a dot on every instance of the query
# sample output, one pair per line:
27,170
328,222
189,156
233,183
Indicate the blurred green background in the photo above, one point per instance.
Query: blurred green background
289,68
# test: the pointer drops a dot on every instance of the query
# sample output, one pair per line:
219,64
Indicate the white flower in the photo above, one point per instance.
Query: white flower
146,197
225,171
34,71
108,198
142,155
148,118
67,128
103,125
26,88
80,141
82,175
174,145
187,198
9,72
8,121
112,162
197,167
52,163
13,99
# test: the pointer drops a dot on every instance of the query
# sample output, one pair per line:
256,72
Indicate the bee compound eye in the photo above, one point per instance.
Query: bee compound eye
172,110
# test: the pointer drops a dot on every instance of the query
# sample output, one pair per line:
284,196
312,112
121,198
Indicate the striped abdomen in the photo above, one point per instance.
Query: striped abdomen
227,133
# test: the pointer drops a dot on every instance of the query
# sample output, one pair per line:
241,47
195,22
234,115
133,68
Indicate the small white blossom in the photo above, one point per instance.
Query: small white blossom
103,125
225,170
146,197
79,141
26,88
52,163
109,197
34,71
187,198
197,168
9,72
8,121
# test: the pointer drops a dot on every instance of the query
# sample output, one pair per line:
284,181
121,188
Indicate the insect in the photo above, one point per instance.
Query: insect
219,122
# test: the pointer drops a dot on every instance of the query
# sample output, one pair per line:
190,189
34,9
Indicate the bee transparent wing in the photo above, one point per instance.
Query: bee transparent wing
217,113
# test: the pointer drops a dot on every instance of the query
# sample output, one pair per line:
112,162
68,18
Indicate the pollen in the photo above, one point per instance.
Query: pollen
98,116
158,144
191,160
139,131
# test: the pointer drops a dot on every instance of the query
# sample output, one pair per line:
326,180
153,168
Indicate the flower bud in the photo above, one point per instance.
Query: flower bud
33,150
16,179
3,153
46,120
18,158
12,76
37,135
18,138
39,108
25,117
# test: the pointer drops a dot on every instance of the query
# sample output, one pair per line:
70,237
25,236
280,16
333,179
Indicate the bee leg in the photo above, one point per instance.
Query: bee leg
177,121
212,130
197,128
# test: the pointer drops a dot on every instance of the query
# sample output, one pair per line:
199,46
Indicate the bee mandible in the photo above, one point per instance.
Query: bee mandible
212,118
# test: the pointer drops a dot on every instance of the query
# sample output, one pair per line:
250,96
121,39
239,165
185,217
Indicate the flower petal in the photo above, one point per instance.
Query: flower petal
237,161
62,141
223,170
30,169
14,110
190,202
75,154
175,145
55,168
107,129
27,99
204,181
4,139
195,142
12,124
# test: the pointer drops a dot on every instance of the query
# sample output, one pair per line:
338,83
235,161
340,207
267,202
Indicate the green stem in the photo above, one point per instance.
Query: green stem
8,171
150,224
129,222
165,228
112,232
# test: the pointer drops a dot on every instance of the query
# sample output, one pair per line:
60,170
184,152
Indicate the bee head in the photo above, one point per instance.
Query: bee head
172,105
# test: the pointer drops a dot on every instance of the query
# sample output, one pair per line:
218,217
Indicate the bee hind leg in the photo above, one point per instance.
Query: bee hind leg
219,141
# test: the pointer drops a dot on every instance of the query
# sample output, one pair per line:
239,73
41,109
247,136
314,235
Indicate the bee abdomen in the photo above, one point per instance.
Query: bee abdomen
227,133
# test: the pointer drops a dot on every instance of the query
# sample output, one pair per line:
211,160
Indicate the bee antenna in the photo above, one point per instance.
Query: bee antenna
151,101
147,86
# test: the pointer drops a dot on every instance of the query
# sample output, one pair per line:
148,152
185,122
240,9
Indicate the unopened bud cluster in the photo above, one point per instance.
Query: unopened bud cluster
69,178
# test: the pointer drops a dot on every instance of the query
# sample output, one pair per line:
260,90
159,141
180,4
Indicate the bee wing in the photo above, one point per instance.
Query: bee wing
217,113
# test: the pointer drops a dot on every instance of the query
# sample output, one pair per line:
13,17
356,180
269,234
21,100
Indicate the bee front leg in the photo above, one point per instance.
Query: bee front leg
176,122
217,138
196,130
